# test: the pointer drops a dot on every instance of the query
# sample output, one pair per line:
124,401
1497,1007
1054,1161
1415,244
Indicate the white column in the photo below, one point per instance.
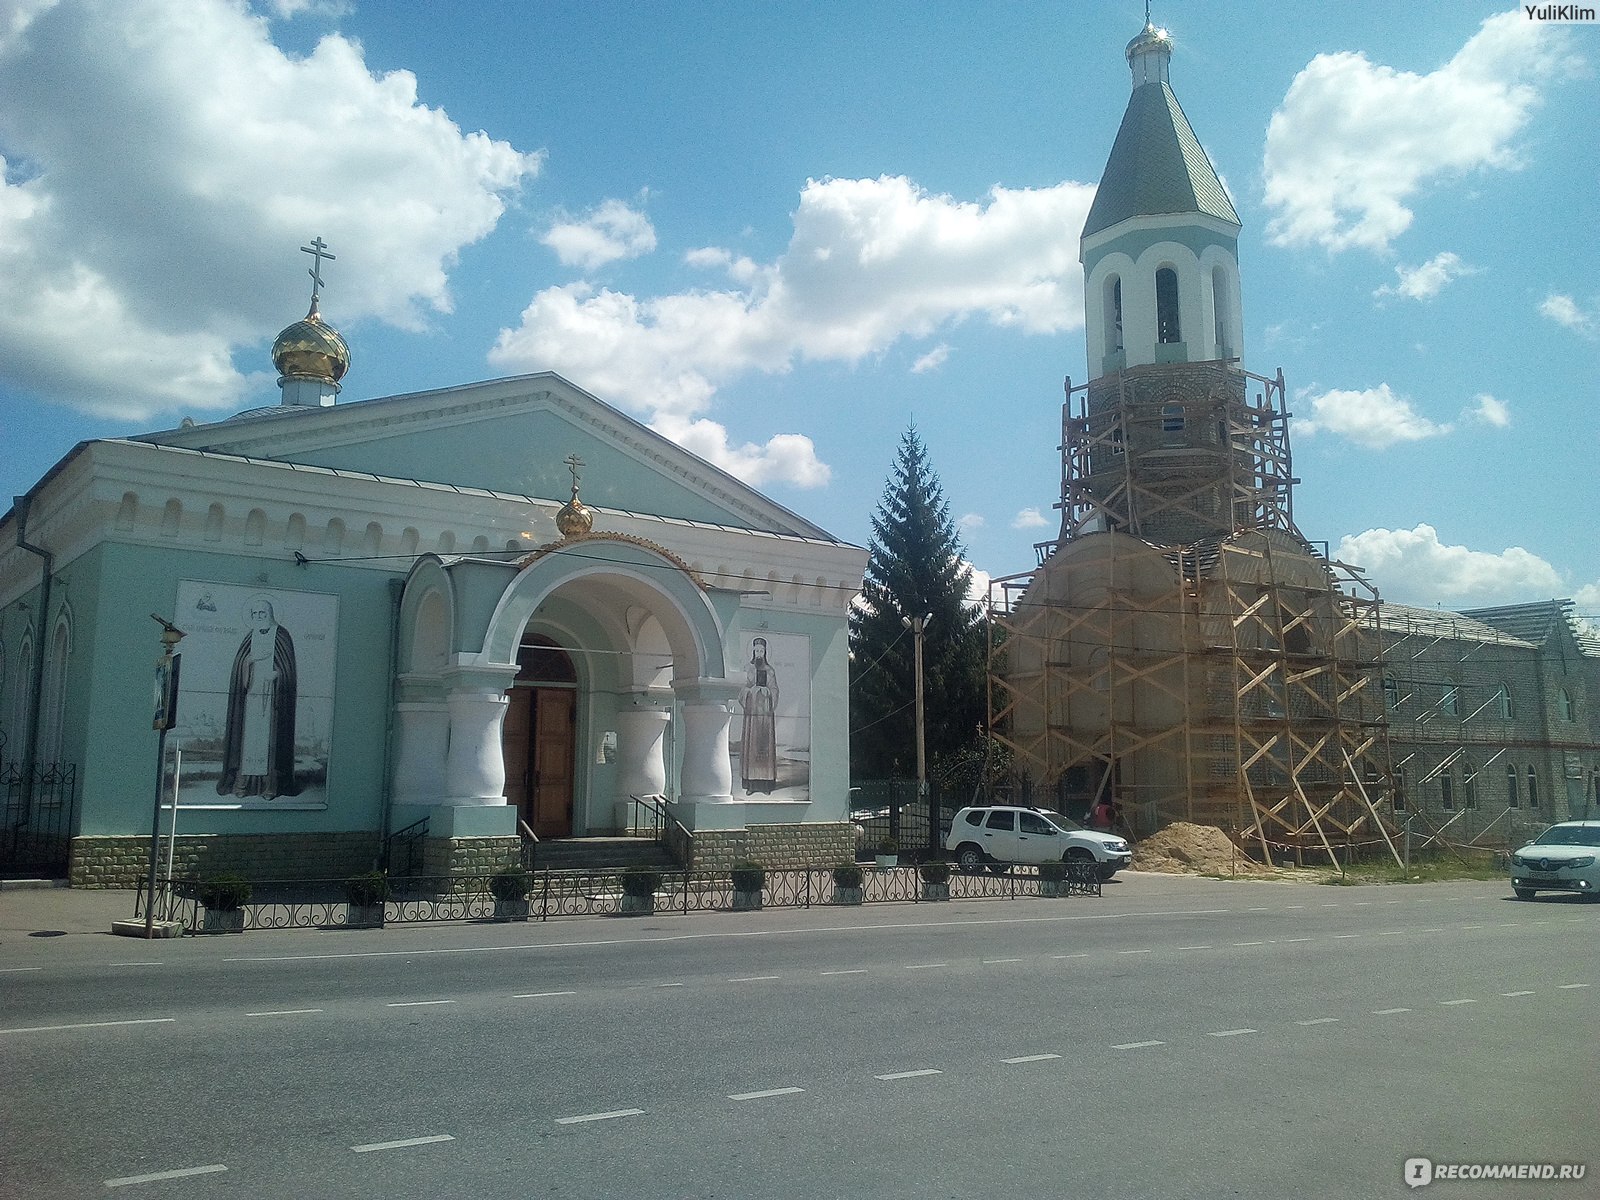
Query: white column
422,739
475,767
643,770
707,775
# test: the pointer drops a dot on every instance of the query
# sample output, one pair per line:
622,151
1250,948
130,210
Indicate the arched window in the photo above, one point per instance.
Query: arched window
1447,790
1400,789
1220,304
1511,786
1502,703
1568,711
1469,784
1450,700
1533,786
1172,418
1113,314
53,701
1391,692
1167,326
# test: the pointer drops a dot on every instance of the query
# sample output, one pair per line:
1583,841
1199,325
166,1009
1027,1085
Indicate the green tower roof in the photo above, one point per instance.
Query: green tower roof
1156,166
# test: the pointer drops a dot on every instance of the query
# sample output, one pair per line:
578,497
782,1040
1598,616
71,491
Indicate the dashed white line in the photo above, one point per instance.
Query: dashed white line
1320,1021
416,1003
767,1094
1288,906
852,971
1028,1058
1570,986
92,1025
284,1012
753,979
926,966
1345,936
15,970
1391,932
1136,1045
1195,947
1474,927
601,1116
1230,1032
157,1176
1080,954
1449,1003
1518,993
1286,941
1249,943
640,987
1256,910
989,962
135,964
1133,952
540,995
402,1143
1388,1012
909,1074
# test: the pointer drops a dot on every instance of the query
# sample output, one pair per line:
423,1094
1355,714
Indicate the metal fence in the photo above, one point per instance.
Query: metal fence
321,904
40,813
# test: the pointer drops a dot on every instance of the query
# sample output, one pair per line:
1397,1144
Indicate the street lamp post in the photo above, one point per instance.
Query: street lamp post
166,712
919,627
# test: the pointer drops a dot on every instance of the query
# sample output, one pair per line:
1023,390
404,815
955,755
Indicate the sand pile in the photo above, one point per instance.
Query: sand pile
1185,847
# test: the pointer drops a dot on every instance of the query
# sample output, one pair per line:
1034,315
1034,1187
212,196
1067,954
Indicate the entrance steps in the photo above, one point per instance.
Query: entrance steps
600,854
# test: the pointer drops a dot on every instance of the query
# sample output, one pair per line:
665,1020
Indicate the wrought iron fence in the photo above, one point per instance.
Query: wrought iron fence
40,814
321,904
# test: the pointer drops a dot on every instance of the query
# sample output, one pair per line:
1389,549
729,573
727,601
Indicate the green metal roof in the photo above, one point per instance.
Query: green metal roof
1156,166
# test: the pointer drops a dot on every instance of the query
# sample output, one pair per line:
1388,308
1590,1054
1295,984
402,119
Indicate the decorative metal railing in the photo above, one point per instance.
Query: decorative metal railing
38,808
321,904
403,849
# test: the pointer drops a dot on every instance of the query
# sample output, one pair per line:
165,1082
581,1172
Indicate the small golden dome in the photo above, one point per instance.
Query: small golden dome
311,349
574,518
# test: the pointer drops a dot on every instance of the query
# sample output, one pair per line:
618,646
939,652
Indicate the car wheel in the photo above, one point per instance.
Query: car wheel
1106,871
1523,893
970,859
1078,855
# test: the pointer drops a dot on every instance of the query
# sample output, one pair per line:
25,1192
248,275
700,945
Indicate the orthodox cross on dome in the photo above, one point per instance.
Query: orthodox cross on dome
318,251
573,463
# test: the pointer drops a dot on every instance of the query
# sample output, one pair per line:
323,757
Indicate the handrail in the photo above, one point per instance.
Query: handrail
530,844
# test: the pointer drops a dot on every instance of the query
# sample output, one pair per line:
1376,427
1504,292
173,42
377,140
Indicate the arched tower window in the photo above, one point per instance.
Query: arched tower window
53,705
1113,314
1511,786
1167,327
1221,307
1502,703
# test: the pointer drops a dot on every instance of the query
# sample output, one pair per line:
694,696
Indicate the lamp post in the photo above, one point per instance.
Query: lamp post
919,627
165,715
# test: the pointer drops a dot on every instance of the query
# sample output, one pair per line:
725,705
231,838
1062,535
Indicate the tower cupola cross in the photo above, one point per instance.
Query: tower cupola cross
318,251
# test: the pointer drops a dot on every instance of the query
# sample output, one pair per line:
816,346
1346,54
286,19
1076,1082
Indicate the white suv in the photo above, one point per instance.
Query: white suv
997,834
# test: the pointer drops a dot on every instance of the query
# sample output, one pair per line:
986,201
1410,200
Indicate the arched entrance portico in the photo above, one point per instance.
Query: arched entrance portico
644,643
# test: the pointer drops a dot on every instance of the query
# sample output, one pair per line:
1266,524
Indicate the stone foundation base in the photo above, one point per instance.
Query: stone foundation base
124,862
776,847
469,855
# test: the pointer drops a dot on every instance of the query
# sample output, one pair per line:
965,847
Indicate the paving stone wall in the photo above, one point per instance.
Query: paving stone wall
124,862
469,855
776,847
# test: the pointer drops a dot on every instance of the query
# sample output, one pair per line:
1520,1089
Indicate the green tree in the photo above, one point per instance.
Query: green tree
915,567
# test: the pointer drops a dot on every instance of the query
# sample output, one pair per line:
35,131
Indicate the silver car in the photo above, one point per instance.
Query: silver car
1564,858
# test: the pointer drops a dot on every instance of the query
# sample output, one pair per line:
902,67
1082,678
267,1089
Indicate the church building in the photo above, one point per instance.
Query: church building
482,615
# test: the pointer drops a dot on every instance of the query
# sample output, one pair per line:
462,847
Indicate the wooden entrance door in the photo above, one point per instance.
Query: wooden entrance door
554,759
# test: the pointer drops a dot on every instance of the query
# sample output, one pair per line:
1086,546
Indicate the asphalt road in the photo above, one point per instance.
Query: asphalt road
1177,1038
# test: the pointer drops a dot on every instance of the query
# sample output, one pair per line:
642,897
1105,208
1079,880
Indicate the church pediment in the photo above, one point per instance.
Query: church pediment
506,435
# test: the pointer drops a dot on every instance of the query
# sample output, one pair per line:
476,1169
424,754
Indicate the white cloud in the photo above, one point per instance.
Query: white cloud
1490,411
605,234
1373,417
971,521
978,589
1428,280
1029,518
869,261
785,458
167,168
1353,142
932,360
1566,312
1412,566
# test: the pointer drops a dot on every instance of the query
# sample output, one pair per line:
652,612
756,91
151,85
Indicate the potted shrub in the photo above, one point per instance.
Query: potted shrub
224,898
365,896
847,884
749,881
510,886
639,886
888,853
1050,876
935,880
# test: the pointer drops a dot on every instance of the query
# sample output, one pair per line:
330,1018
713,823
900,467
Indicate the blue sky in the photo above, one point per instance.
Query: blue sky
779,232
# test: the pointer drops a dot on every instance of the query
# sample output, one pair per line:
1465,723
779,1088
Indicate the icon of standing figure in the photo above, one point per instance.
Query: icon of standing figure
758,746
258,742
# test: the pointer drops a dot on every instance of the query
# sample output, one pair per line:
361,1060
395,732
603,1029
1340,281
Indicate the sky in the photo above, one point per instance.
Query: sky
780,232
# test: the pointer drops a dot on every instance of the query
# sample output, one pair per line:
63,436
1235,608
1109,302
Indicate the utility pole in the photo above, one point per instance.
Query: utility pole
919,627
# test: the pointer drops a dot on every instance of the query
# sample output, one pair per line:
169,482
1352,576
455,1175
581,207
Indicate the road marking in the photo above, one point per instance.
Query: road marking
1028,1058
540,995
1435,929
1320,1021
1294,906
1256,910
1230,1032
1136,1045
926,966
402,1143
156,1176
909,1074
1080,954
1509,924
135,964
603,1116
766,1095
989,962
753,978
1392,902
416,1003
1360,903
1568,986
91,1025
1517,993
15,970
1386,1012
1474,927
1329,905
1287,940
284,1012
1339,936
1194,947
1390,932
1426,899
852,971
1133,952
1249,943
1448,1003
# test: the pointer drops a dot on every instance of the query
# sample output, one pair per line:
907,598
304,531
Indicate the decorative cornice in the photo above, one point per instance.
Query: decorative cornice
627,539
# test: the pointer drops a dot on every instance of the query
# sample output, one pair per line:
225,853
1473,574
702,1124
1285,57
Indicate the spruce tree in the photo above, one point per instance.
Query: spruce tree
915,567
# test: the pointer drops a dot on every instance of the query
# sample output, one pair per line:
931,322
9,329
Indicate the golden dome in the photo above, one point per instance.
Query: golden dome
311,349
574,518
